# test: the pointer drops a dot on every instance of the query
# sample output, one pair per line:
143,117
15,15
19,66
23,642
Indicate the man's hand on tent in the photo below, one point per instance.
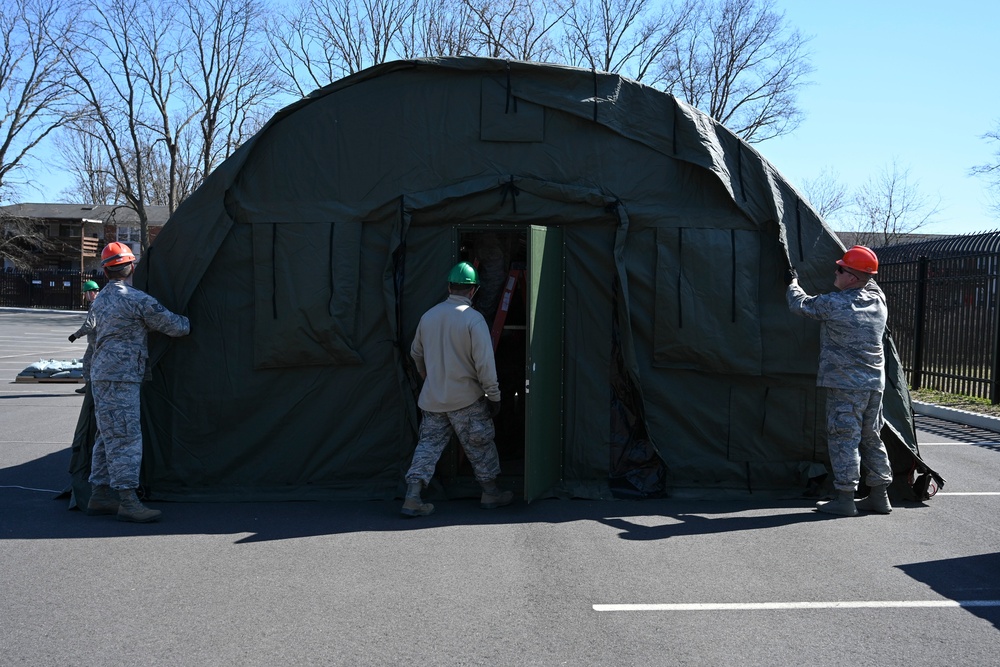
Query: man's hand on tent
791,275
494,407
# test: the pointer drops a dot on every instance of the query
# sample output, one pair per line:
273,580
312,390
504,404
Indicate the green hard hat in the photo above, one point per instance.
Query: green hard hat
89,285
463,273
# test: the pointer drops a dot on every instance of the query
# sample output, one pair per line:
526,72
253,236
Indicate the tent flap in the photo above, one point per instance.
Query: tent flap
706,300
299,318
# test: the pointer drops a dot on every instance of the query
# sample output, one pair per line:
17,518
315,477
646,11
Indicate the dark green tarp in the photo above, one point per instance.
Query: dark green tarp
306,259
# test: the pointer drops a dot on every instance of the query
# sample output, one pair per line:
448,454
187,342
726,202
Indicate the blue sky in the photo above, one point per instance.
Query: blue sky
913,81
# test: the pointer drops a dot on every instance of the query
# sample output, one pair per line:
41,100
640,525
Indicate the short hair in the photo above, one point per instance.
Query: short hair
120,271
460,288
860,275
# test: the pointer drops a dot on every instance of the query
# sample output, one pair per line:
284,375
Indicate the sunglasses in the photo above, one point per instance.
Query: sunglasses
841,269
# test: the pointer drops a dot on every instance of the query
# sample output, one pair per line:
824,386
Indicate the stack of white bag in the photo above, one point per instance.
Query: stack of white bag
53,369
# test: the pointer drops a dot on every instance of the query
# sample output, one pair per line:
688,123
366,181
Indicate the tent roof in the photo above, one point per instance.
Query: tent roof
628,108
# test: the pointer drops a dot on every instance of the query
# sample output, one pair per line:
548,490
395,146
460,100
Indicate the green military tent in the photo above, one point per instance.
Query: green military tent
633,248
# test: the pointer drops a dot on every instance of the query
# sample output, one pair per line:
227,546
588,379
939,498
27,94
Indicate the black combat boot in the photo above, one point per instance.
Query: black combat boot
413,505
132,510
493,497
102,501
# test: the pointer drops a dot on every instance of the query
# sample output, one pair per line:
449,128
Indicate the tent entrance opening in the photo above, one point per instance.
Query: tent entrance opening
501,259
521,294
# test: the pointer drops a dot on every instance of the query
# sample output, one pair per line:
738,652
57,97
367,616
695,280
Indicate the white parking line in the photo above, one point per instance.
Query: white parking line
967,493
958,444
767,606
51,352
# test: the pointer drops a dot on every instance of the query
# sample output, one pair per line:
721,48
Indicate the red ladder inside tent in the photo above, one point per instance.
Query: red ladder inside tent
515,278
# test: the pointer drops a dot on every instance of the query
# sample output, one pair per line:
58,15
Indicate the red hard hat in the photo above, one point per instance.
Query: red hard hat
860,259
115,254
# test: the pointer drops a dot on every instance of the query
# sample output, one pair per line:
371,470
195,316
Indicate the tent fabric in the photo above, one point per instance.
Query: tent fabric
306,259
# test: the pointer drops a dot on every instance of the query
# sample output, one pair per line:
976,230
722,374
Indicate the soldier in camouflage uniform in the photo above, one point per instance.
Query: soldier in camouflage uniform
90,289
122,316
454,354
852,369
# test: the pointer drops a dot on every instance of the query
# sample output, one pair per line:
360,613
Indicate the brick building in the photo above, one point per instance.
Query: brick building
75,233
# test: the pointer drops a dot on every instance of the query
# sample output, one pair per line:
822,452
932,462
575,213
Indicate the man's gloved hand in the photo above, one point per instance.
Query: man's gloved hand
791,275
494,407
72,338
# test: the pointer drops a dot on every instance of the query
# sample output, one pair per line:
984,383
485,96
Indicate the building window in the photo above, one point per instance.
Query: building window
128,234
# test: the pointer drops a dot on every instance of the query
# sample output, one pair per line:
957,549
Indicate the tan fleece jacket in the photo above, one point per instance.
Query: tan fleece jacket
453,350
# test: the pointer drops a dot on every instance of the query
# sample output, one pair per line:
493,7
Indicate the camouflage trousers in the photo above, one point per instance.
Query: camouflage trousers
854,420
118,446
474,429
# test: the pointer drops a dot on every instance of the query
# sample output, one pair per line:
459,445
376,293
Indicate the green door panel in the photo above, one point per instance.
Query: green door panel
544,374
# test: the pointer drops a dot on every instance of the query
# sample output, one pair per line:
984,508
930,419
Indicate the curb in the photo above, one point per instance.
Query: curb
44,311
959,416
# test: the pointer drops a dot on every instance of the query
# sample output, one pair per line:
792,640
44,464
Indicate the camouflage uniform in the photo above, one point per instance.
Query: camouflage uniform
852,369
453,350
88,330
474,429
122,316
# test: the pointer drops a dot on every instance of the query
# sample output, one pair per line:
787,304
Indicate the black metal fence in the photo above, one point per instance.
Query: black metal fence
44,289
943,313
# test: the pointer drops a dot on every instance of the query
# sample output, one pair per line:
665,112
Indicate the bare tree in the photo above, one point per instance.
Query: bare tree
991,171
21,242
890,205
623,36
34,99
827,194
362,33
93,181
742,64
516,29
317,42
156,60
226,75
172,178
171,88
124,71
439,28
303,60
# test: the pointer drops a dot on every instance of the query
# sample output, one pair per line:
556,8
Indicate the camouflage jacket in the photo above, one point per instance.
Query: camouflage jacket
852,323
122,317
88,330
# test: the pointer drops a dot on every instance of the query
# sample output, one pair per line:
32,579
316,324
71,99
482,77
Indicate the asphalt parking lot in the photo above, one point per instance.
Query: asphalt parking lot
687,580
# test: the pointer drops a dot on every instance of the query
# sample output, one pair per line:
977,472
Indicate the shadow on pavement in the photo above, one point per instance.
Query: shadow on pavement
47,473
699,524
39,514
966,579
958,432
30,509
42,517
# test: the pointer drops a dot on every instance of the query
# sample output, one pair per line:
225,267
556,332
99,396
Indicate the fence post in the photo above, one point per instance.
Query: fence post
995,378
918,323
